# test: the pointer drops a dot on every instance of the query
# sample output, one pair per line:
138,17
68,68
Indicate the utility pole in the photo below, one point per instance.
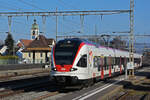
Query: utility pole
56,25
9,24
131,45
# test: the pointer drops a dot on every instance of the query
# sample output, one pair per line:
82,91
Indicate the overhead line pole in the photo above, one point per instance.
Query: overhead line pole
131,46
56,25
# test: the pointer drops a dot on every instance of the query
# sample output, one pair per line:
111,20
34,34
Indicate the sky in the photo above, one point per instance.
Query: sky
70,25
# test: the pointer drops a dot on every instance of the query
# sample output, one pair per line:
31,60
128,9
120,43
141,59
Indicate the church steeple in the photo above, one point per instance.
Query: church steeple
34,30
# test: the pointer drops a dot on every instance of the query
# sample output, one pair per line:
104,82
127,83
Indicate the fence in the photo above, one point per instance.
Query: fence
23,61
8,61
35,61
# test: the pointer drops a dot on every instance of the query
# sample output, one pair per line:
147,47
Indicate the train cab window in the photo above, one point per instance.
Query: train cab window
83,61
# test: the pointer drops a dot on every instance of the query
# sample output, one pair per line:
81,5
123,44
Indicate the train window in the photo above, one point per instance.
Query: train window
105,61
118,61
112,67
97,61
83,61
122,61
114,61
107,67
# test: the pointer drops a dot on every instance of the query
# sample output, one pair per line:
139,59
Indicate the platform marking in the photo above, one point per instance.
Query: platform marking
95,91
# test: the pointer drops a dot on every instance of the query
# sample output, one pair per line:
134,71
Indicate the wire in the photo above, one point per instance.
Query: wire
66,4
29,4
9,6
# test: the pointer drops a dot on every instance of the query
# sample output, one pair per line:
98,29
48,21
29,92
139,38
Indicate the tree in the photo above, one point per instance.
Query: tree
9,42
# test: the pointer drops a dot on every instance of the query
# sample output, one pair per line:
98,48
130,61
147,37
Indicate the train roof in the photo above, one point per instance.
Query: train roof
78,40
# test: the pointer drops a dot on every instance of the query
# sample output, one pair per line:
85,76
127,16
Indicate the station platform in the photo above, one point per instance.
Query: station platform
21,72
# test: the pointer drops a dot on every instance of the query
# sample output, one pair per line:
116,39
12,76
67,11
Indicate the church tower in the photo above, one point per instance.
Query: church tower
34,30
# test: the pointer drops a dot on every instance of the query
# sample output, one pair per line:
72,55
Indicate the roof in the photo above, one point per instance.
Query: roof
40,43
24,42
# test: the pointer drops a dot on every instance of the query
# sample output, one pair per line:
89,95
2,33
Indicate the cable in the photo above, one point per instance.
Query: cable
11,7
66,4
29,4
6,7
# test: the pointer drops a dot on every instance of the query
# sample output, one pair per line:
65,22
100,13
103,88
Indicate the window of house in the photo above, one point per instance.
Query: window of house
33,32
41,54
29,54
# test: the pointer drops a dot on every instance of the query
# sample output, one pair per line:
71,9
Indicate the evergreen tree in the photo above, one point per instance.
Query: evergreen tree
9,42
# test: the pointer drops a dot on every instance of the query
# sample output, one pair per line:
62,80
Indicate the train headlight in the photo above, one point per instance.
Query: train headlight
54,69
73,69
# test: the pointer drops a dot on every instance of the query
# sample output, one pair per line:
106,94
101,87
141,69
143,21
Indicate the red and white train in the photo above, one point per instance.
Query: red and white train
79,61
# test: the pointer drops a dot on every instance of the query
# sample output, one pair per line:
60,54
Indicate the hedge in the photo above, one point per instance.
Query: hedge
8,60
8,57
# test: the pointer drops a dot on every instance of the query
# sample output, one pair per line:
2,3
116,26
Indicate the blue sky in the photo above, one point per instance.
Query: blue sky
71,24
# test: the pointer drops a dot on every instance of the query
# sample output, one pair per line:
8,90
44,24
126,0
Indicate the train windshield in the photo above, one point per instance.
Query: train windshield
65,52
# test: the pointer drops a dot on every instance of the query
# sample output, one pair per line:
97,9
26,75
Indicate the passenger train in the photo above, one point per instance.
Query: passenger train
78,61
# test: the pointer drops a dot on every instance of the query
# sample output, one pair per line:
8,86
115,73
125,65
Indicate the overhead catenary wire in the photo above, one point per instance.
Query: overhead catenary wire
31,5
67,5
10,6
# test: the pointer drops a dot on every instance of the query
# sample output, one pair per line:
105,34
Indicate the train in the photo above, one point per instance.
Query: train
79,61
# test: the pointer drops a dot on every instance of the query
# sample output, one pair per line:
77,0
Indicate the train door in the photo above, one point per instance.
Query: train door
90,62
102,66
120,65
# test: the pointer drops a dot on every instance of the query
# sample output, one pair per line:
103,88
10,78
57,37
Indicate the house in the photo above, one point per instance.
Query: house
39,50
22,44
3,49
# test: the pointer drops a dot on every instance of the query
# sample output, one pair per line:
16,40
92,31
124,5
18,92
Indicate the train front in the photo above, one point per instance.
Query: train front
64,62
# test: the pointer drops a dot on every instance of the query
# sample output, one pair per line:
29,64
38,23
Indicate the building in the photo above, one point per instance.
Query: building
34,30
39,50
22,44
3,48
36,50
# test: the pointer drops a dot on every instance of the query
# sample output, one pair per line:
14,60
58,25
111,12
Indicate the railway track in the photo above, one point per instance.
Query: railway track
50,88
123,96
25,88
47,95
9,88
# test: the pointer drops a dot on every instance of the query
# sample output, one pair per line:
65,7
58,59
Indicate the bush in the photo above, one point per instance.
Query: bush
8,59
